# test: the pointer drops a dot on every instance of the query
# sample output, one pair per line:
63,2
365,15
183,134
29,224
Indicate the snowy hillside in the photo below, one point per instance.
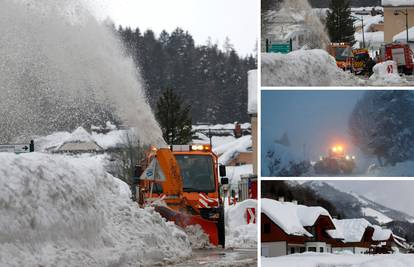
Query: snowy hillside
352,205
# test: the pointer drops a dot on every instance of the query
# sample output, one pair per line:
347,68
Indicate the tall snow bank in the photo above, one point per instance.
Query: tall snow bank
252,91
386,73
58,210
402,169
303,68
239,233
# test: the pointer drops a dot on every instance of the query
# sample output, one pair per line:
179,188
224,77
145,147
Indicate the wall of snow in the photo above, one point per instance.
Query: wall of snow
58,210
386,73
303,68
240,234
252,92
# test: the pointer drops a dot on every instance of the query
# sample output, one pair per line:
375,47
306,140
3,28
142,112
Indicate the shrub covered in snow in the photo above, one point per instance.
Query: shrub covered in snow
279,160
58,210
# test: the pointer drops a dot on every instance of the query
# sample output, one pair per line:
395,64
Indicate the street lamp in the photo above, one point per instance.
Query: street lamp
398,12
363,32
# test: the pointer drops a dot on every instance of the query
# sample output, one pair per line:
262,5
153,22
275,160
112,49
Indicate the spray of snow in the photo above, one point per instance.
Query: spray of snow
60,68
62,211
198,238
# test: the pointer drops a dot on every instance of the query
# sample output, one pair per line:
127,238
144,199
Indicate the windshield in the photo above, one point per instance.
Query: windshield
197,172
341,53
361,57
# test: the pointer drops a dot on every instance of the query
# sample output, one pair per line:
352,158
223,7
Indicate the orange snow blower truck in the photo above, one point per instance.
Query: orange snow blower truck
336,162
182,183
342,54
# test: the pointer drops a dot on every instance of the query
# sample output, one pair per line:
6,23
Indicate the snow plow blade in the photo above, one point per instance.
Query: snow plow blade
183,220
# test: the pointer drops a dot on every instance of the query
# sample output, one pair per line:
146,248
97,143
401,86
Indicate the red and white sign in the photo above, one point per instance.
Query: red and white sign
251,215
205,201
390,69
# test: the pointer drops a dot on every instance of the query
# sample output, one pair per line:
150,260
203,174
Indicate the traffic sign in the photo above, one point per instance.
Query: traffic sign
17,148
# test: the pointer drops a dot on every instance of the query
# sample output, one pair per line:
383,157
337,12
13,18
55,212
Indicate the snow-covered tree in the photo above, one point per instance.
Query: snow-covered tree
382,125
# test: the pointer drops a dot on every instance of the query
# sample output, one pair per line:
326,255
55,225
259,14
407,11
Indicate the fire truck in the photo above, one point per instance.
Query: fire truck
401,54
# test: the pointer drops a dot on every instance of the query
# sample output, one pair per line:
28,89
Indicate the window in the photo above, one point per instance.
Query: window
321,249
302,249
197,172
312,249
266,228
292,250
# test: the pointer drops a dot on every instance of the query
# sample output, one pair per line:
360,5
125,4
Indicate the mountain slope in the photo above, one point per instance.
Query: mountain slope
352,205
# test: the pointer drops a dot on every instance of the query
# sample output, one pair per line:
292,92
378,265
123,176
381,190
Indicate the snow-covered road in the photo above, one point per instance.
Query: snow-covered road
221,257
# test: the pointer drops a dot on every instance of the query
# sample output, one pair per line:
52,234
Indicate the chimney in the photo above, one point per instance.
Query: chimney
281,199
294,201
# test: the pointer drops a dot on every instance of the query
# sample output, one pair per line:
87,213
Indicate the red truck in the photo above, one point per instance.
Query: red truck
401,54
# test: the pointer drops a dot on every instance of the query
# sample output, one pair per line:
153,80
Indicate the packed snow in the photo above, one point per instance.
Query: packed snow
303,68
58,210
386,73
402,36
239,233
343,260
402,169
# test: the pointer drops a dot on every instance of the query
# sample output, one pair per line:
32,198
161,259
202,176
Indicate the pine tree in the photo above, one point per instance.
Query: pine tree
174,118
339,22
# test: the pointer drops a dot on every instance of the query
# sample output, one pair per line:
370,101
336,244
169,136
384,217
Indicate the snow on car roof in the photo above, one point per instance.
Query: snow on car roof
351,229
290,217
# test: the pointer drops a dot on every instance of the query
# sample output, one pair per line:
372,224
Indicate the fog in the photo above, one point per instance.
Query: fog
313,119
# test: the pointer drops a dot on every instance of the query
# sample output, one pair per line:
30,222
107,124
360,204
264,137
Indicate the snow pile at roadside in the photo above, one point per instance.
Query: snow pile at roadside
402,169
240,234
58,210
326,259
303,68
197,237
234,173
386,73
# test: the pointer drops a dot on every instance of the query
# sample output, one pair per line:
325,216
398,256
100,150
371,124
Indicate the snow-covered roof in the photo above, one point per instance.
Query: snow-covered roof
381,234
252,92
397,3
290,217
402,36
352,230
230,150
79,140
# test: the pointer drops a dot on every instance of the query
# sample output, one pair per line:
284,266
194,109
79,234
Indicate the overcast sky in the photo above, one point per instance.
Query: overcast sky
237,19
393,194
316,118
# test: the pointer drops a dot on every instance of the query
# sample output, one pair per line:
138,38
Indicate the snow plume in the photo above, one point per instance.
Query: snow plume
62,211
60,68
292,16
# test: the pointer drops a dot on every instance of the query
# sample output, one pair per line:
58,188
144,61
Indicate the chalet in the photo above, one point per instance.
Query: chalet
385,241
288,228
357,233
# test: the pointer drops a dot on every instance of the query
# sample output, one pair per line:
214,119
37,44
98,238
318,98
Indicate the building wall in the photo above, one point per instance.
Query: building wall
355,250
273,249
396,24
319,246
242,159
